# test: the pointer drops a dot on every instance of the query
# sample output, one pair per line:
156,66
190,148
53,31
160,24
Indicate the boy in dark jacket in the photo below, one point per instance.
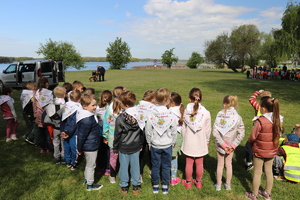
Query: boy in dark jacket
88,138
128,142
68,128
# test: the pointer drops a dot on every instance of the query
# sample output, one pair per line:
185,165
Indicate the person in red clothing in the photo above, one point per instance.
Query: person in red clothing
255,105
9,114
264,141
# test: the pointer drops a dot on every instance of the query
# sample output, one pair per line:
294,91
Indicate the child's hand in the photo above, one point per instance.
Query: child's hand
141,149
79,153
64,135
260,91
116,154
105,141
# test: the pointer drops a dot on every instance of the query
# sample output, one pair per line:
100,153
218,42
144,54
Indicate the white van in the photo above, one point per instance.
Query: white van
18,73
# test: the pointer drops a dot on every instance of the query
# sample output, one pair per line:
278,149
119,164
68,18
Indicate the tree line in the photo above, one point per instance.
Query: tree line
246,45
5,59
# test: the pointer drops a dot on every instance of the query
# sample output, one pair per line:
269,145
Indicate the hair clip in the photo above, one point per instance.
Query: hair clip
197,98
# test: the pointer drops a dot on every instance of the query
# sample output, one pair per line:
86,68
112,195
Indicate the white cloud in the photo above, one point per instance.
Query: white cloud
128,14
116,6
273,13
189,23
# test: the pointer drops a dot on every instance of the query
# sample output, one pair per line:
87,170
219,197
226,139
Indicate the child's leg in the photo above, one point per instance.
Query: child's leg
166,159
14,128
123,171
220,167
67,150
43,138
9,123
113,163
189,164
174,167
258,164
73,148
156,162
141,157
56,143
248,153
199,168
268,170
135,168
90,166
228,163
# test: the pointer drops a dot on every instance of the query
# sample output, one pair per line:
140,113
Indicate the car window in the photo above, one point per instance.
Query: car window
27,67
46,66
11,69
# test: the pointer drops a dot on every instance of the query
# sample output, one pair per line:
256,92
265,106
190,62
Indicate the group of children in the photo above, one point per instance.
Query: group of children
118,130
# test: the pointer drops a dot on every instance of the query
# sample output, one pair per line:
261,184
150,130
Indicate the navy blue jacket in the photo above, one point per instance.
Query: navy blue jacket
88,134
69,125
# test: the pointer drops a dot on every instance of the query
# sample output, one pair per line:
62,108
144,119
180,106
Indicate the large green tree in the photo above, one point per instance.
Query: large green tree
194,60
168,58
118,54
289,36
270,50
61,51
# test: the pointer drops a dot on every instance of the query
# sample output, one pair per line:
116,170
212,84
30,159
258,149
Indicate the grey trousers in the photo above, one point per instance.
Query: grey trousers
58,144
90,166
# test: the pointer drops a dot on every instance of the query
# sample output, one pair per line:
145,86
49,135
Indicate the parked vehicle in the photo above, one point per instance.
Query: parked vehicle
18,73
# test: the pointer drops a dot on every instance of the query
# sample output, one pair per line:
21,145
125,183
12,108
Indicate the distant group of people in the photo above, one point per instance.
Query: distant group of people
264,72
116,130
99,73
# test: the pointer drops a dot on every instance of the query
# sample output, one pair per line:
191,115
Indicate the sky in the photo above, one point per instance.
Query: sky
149,27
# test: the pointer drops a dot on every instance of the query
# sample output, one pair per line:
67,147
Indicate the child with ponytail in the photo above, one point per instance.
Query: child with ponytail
227,124
196,131
111,113
177,109
264,141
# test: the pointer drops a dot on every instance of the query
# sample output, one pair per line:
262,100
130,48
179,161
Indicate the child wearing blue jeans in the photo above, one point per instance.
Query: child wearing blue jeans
161,134
128,142
88,138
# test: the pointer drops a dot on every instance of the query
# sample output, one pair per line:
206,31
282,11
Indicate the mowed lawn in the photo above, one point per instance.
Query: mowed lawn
27,174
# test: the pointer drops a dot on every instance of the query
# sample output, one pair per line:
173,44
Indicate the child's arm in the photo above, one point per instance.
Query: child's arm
255,131
219,140
70,125
148,132
105,126
174,132
117,135
253,102
207,127
241,135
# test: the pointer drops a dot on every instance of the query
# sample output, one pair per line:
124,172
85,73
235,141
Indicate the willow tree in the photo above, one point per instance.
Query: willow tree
289,36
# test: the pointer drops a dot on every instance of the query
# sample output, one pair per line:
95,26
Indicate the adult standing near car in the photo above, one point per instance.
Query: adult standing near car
101,72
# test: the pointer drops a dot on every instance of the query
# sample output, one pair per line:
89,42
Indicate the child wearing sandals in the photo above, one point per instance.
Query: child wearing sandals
177,109
227,124
196,131
264,141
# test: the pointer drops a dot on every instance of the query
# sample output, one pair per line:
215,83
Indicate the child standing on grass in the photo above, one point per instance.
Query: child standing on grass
54,112
177,109
255,105
88,138
103,153
42,98
111,113
161,133
27,109
68,128
145,106
227,124
128,142
9,114
196,131
264,141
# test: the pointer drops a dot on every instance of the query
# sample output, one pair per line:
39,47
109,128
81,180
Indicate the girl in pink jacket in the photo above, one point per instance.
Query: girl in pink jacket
227,124
196,131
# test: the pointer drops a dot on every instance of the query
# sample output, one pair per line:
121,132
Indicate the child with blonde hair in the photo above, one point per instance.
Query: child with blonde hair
196,131
177,109
227,124
161,133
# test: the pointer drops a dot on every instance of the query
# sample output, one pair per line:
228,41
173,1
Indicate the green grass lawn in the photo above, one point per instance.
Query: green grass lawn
27,174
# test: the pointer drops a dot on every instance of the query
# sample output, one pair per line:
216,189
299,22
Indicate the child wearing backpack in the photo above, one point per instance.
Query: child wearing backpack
68,128
27,99
52,119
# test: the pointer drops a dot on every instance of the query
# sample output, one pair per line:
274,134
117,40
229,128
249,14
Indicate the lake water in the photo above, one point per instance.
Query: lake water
92,65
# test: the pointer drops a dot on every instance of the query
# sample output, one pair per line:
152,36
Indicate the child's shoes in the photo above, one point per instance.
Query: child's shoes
107,172
155,189
227,187
136,190
165,189
124,191
198,184
14,137
175,182
217,187
8,139
188,185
